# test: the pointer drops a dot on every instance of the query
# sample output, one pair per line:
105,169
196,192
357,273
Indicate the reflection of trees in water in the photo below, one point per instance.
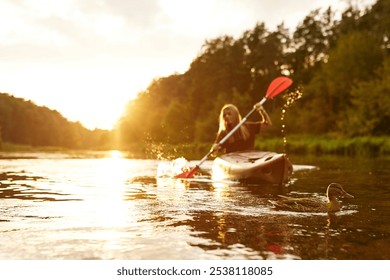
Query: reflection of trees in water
237,221
269,238
20,186
269,233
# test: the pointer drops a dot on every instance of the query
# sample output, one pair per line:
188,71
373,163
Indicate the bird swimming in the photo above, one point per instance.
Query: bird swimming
333,191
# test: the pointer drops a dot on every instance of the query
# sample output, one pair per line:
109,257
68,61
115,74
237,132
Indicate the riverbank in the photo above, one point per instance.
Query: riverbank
318,145
294,145
301,145
12,147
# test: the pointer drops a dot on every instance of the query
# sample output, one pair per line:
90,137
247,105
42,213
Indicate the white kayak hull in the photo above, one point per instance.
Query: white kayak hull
252,167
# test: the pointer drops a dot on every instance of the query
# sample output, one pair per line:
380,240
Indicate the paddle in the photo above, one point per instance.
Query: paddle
276,86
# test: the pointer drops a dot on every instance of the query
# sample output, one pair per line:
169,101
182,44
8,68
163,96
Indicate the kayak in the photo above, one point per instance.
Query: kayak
252,167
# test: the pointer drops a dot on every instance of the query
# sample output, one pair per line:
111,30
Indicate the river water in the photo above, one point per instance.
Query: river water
104,206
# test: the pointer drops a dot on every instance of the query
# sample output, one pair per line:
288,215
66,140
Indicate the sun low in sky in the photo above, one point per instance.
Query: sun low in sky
88,58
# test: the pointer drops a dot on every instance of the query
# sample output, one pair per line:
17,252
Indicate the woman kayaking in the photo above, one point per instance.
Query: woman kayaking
244,138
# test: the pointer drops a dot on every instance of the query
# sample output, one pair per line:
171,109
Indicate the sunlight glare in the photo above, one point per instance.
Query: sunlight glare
217,173
172,168
220,190
111,207
115,154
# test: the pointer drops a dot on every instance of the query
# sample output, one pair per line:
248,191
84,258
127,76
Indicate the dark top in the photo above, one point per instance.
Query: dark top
240,144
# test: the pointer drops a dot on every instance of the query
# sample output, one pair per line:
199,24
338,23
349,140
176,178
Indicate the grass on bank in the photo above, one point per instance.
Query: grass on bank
318,145
294,145
12,147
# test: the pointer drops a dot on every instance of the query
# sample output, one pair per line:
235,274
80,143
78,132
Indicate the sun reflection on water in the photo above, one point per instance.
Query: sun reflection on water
110,205
115,154
113,207
220,190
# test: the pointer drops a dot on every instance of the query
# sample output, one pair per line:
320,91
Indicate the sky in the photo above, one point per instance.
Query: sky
88,58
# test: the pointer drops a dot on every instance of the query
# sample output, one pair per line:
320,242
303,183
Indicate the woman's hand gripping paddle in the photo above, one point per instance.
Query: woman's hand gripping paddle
277,86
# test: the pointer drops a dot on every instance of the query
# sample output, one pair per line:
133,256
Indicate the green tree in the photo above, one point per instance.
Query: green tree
370,110
23,122
218,68
264,57
329,58
354,59
310,44
327,96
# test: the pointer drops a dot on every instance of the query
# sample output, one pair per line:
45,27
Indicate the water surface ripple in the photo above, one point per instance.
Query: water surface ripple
97,206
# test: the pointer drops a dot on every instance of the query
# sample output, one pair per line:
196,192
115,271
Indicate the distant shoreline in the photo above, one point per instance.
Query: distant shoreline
318,145
294,145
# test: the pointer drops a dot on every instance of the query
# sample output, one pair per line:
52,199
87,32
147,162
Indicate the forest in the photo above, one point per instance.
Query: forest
340,68
23,122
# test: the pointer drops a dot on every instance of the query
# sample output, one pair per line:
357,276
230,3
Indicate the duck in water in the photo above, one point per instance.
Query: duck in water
334,190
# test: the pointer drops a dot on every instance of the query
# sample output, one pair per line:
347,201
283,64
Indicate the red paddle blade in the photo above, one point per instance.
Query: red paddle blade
277,86
187,174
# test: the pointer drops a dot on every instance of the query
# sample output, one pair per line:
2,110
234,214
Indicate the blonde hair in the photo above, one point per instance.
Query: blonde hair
242,132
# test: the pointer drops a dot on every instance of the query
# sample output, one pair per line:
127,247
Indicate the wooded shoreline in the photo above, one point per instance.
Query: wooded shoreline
339,102
294,145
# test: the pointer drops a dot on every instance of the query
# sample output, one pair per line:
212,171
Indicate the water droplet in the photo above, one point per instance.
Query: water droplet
290,98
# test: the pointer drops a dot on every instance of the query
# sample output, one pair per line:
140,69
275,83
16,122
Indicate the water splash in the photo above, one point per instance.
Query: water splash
290,99
172,168
156,150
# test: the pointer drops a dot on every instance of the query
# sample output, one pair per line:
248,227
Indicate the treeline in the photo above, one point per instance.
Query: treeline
23,122
341,68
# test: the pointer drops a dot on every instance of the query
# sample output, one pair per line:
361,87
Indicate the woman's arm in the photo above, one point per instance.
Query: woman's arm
266,120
